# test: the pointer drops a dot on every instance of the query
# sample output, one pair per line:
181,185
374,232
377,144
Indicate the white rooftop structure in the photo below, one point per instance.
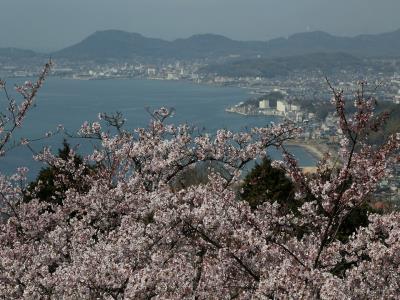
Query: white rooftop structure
264,104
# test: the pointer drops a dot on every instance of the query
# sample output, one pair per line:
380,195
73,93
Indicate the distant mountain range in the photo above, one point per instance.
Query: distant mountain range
17,53
116,44
120,44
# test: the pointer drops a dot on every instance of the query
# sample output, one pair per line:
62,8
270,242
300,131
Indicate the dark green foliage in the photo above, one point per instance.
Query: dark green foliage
283,66
357,217
321,109
45,187
392,124
266,183
273,96
198,174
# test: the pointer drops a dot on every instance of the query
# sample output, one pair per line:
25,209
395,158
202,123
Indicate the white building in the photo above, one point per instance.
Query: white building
151,71
264,104
294,107
172,76
281,106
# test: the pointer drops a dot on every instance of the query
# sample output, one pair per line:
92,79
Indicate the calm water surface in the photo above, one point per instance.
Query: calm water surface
71,102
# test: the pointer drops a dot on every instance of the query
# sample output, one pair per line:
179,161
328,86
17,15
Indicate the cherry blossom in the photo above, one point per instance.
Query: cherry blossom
133,234
16,112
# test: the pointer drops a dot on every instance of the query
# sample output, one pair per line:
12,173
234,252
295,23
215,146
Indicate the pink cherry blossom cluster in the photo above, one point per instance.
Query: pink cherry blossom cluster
133,235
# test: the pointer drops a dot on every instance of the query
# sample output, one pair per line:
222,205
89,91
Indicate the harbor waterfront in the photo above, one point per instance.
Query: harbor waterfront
71,102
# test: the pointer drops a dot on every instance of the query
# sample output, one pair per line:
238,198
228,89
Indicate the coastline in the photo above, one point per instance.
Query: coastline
315,149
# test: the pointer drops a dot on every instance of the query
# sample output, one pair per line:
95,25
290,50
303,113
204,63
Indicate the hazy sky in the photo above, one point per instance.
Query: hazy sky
53,24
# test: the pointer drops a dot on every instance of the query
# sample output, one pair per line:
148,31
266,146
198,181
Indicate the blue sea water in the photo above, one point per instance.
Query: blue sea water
71,102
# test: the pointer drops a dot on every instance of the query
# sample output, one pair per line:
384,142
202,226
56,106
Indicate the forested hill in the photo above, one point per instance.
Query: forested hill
15,53
282,66
117,44
121,45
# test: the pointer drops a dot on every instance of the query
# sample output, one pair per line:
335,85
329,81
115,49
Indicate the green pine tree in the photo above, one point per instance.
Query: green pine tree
266,183
46,188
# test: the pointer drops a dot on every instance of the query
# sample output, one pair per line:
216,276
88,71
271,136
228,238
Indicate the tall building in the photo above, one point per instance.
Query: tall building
264,104
281,106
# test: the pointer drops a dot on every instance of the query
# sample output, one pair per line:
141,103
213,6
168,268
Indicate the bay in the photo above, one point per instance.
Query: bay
71,102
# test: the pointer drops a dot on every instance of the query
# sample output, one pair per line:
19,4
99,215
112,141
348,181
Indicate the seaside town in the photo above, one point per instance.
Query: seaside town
299,84
300,97
319,134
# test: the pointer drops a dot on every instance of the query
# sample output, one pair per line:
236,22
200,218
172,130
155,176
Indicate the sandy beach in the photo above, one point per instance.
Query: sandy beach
316,149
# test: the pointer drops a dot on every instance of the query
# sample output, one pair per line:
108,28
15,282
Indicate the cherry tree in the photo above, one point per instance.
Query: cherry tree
133,235
12,118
